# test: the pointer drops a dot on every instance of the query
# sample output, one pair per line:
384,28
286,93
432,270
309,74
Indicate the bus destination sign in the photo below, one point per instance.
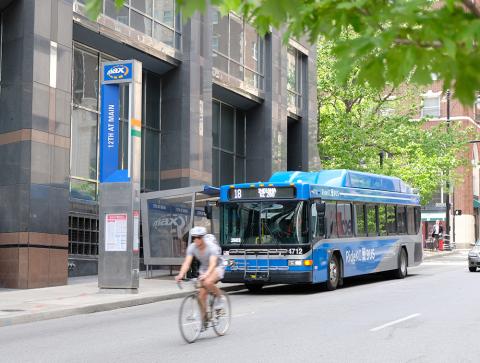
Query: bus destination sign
262,193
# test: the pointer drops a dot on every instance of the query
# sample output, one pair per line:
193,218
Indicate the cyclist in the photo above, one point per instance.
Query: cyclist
208,253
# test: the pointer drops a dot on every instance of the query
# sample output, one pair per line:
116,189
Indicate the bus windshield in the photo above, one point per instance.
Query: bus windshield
253,223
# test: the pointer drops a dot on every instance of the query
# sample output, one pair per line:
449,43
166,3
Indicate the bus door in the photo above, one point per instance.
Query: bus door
319,254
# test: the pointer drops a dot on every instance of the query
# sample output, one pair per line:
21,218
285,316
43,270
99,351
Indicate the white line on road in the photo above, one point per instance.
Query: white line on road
395,322
245,314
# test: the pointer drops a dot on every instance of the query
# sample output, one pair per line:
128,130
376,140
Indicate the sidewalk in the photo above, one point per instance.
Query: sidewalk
429,254
82,296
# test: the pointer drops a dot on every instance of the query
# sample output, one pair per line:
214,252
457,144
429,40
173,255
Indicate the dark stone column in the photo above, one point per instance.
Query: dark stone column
186,157
35,143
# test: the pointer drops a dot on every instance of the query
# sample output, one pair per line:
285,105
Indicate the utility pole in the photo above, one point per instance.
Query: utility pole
447,194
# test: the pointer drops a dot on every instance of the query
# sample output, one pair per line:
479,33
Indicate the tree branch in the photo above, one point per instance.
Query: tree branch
470,5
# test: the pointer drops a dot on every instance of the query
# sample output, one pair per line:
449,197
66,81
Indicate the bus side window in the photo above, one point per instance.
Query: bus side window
410,220
382,220
344,219
401,219
318,219
417,219
331,219
372,220
391,220
361,229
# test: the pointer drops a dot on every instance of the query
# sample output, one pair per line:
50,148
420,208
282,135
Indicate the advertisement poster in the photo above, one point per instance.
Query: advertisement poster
116,232
136,227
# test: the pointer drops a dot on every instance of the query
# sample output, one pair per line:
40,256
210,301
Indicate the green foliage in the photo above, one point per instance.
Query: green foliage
357,123
396,41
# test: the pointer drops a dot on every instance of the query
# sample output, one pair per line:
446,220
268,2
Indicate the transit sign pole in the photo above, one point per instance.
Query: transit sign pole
119,188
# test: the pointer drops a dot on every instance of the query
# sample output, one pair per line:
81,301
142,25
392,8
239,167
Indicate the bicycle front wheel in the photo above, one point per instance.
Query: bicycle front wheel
190,318
222,316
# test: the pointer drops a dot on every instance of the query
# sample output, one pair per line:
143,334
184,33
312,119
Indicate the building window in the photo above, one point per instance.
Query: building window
294,79
228,132
82,235
238,49
431,106
156,18
1,49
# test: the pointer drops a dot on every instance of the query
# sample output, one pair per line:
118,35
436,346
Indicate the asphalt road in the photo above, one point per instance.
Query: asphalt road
431,316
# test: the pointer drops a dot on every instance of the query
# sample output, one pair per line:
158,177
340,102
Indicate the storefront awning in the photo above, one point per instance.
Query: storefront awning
433,216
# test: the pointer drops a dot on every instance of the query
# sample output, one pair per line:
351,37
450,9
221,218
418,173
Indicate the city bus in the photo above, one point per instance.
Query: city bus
318,227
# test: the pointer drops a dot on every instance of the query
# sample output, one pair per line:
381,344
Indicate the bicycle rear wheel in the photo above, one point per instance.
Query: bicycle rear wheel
190,318
223,316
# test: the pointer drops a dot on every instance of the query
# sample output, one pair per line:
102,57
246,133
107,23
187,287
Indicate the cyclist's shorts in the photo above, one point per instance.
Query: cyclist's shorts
220,272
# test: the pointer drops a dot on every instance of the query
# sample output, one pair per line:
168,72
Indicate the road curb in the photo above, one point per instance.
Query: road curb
89,309
449,253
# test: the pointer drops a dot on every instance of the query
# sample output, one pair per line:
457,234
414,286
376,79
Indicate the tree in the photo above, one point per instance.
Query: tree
395,42
362,128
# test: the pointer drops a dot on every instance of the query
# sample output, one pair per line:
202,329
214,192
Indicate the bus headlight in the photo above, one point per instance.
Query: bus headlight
300,262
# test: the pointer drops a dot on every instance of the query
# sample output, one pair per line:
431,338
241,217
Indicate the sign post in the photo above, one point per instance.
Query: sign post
119,189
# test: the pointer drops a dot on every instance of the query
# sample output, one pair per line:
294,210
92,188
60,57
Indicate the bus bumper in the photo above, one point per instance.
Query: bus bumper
273,277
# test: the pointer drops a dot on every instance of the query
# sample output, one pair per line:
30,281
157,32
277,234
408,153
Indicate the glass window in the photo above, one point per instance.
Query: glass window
164,12
240,133
112,12
344,219
382,220
228,134
411,220
163,34
401,219
226,168
391,220
221,33
242,48
145,6
294,77
83,189
236,39
141,23
85,79
360,218
431,106
216,123
227,128
331,219
418,217
84,144
372,220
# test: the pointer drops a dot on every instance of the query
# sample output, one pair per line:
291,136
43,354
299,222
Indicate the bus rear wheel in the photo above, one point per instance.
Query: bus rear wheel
401,271
333,273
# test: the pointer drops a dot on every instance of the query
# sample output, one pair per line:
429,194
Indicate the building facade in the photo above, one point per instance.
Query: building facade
464,193
220,104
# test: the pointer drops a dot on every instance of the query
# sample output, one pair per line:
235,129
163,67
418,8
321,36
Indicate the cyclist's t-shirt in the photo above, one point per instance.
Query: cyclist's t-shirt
211,249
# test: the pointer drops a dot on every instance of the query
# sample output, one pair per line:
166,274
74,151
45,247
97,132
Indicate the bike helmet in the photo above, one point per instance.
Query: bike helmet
198,231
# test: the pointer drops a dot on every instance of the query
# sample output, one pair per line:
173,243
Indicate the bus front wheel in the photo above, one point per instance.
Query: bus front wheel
254,287
333,273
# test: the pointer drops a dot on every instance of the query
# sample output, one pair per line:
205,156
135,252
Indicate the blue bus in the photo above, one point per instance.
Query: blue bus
318,227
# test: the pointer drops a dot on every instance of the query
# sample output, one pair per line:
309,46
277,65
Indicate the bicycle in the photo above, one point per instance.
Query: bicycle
190,321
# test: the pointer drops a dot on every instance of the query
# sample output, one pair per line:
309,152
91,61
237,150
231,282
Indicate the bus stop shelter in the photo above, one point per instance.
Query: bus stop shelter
167,217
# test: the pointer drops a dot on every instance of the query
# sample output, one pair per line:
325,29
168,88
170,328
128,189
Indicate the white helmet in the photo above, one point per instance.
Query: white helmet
198,231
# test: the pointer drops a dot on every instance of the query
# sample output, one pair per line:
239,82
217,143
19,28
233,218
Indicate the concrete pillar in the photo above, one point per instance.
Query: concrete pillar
35,143
186,157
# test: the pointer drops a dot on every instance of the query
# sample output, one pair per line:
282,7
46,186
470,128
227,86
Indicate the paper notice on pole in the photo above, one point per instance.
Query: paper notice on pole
116,232
136,227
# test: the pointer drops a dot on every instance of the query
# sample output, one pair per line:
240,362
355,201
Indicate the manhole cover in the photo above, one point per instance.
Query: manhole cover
11,310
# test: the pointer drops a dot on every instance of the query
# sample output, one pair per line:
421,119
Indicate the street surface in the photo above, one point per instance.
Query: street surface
431,316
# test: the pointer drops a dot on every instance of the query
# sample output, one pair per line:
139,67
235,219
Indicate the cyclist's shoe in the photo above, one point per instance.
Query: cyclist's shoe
219,303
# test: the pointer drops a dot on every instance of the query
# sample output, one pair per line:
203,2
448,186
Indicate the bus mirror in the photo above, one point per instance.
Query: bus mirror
208,211
320,208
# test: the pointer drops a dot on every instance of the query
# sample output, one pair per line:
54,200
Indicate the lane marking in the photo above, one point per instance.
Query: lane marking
245,314
395,322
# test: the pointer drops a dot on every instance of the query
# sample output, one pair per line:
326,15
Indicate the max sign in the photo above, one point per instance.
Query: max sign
117,73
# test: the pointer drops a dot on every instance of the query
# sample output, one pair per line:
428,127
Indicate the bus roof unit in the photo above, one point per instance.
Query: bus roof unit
343,178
